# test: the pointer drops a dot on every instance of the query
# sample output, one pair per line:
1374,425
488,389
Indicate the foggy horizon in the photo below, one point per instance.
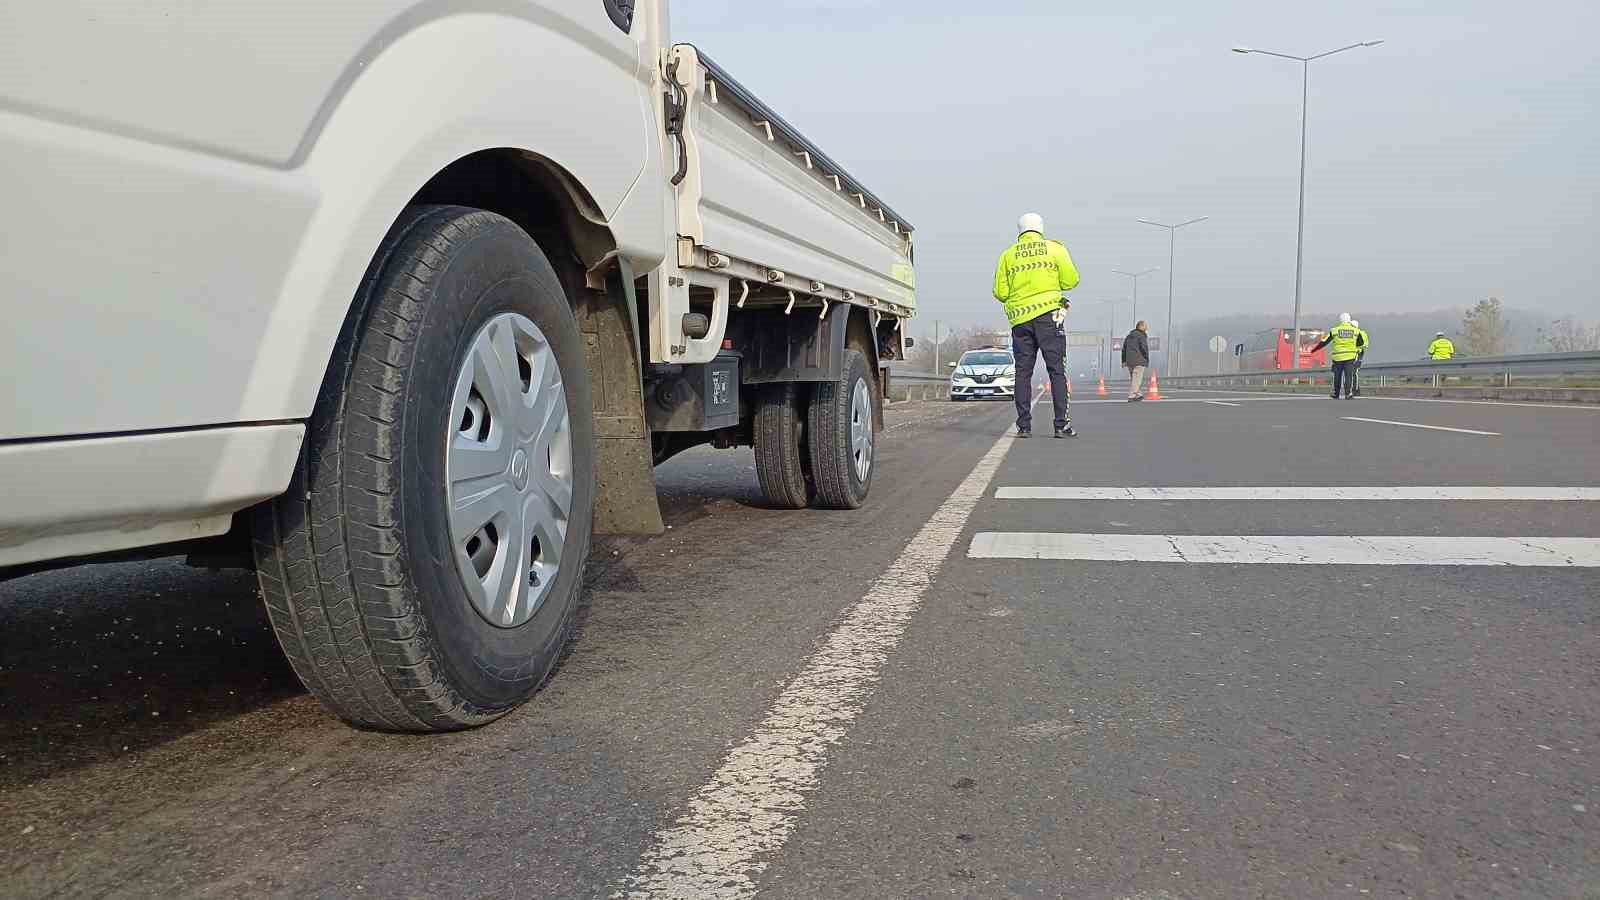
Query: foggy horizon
1444,166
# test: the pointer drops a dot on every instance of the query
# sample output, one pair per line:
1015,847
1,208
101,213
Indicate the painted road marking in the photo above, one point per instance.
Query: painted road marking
745,813
1415,425
1289,550
1075,401
1553,404
1300,492
1221,402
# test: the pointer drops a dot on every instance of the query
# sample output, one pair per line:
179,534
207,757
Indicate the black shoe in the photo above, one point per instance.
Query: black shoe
1024,433
1135,398
1066,432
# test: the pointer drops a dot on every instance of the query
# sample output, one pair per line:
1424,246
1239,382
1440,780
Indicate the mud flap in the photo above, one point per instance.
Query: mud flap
625,497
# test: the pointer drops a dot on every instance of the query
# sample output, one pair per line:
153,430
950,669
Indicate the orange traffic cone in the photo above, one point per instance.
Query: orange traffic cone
1155,389
1101,391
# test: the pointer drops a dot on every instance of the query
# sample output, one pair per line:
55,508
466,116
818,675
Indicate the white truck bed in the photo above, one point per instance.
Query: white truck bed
760,205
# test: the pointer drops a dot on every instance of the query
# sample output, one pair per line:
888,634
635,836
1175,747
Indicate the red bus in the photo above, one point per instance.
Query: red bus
1269,351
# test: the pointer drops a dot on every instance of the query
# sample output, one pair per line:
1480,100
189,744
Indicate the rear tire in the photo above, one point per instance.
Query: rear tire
840,432
783,465
364,578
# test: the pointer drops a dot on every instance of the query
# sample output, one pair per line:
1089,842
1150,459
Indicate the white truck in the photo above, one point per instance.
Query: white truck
400,303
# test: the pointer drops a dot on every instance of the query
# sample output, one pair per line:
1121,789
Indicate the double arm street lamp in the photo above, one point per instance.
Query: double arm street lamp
1136,276
1172,231
1300,239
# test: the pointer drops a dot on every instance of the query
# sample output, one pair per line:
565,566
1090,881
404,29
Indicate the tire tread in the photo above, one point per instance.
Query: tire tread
829,434
781,466
330,552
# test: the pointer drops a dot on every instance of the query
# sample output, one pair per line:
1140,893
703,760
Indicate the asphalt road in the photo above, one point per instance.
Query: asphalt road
822,704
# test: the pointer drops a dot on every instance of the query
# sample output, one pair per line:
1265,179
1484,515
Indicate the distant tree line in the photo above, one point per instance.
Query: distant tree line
1485,331
951,344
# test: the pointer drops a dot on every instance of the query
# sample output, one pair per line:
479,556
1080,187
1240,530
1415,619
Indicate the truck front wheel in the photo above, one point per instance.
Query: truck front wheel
841,437
422,572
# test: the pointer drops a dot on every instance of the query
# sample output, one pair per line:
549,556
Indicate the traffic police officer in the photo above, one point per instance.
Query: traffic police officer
1031,280
1361,356
1441,348
1347,342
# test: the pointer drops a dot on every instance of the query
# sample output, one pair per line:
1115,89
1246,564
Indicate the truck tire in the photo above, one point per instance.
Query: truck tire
783,463
423,570
840,433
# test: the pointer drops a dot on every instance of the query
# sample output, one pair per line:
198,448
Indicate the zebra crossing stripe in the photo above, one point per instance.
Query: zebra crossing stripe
1327,550
1303,492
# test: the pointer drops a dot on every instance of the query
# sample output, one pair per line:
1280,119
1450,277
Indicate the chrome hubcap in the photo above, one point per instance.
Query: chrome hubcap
861,430
509,467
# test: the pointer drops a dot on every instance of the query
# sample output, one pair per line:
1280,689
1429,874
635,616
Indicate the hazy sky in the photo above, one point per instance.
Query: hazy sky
1459,159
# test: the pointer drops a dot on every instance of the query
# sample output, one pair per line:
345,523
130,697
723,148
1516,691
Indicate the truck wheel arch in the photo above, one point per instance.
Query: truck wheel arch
550,204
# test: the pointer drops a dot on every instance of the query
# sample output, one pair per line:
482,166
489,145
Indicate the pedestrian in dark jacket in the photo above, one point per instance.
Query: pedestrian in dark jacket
1135,358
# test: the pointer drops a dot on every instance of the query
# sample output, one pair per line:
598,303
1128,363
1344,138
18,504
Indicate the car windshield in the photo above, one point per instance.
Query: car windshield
996,358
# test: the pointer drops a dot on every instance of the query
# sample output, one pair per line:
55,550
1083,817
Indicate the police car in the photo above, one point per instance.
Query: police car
984,373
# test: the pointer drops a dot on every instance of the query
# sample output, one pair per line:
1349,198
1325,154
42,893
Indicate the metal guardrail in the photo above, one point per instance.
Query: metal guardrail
907,377
906,383
1503,368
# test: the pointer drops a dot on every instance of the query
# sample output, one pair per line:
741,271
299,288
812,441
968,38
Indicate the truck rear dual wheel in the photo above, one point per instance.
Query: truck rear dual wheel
839,432
423,571
783,460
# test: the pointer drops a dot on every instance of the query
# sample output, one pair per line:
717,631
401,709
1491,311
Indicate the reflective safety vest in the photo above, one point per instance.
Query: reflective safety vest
1031,276
1366,343
1346,341
1441,348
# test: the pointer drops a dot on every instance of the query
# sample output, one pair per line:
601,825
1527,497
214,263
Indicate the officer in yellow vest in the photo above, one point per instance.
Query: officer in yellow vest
1032,280
1347,341
1441,348
1361,356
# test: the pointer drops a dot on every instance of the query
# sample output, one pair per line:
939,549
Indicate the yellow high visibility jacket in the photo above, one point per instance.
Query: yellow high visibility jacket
1347,341
1366,343
1441,348
1031,276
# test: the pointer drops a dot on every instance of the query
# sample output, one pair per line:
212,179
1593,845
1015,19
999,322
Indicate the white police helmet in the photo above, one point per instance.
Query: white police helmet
1344,318
1030,222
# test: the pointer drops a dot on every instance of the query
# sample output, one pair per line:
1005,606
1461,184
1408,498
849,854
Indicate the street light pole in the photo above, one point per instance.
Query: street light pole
1300,224
1172,243
1135,276
1300,230
1111,331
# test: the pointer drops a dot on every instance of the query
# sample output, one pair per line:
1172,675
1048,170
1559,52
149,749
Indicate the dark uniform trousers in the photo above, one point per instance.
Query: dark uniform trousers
1344,376
1035,337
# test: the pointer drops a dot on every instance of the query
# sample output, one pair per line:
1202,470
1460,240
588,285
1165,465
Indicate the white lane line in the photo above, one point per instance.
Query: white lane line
1195,400
722,843
1415,425
1301,492
1289,550
1552,404
1220,402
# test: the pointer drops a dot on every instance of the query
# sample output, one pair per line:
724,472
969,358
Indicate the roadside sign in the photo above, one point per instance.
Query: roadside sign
1116,344
1219,344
